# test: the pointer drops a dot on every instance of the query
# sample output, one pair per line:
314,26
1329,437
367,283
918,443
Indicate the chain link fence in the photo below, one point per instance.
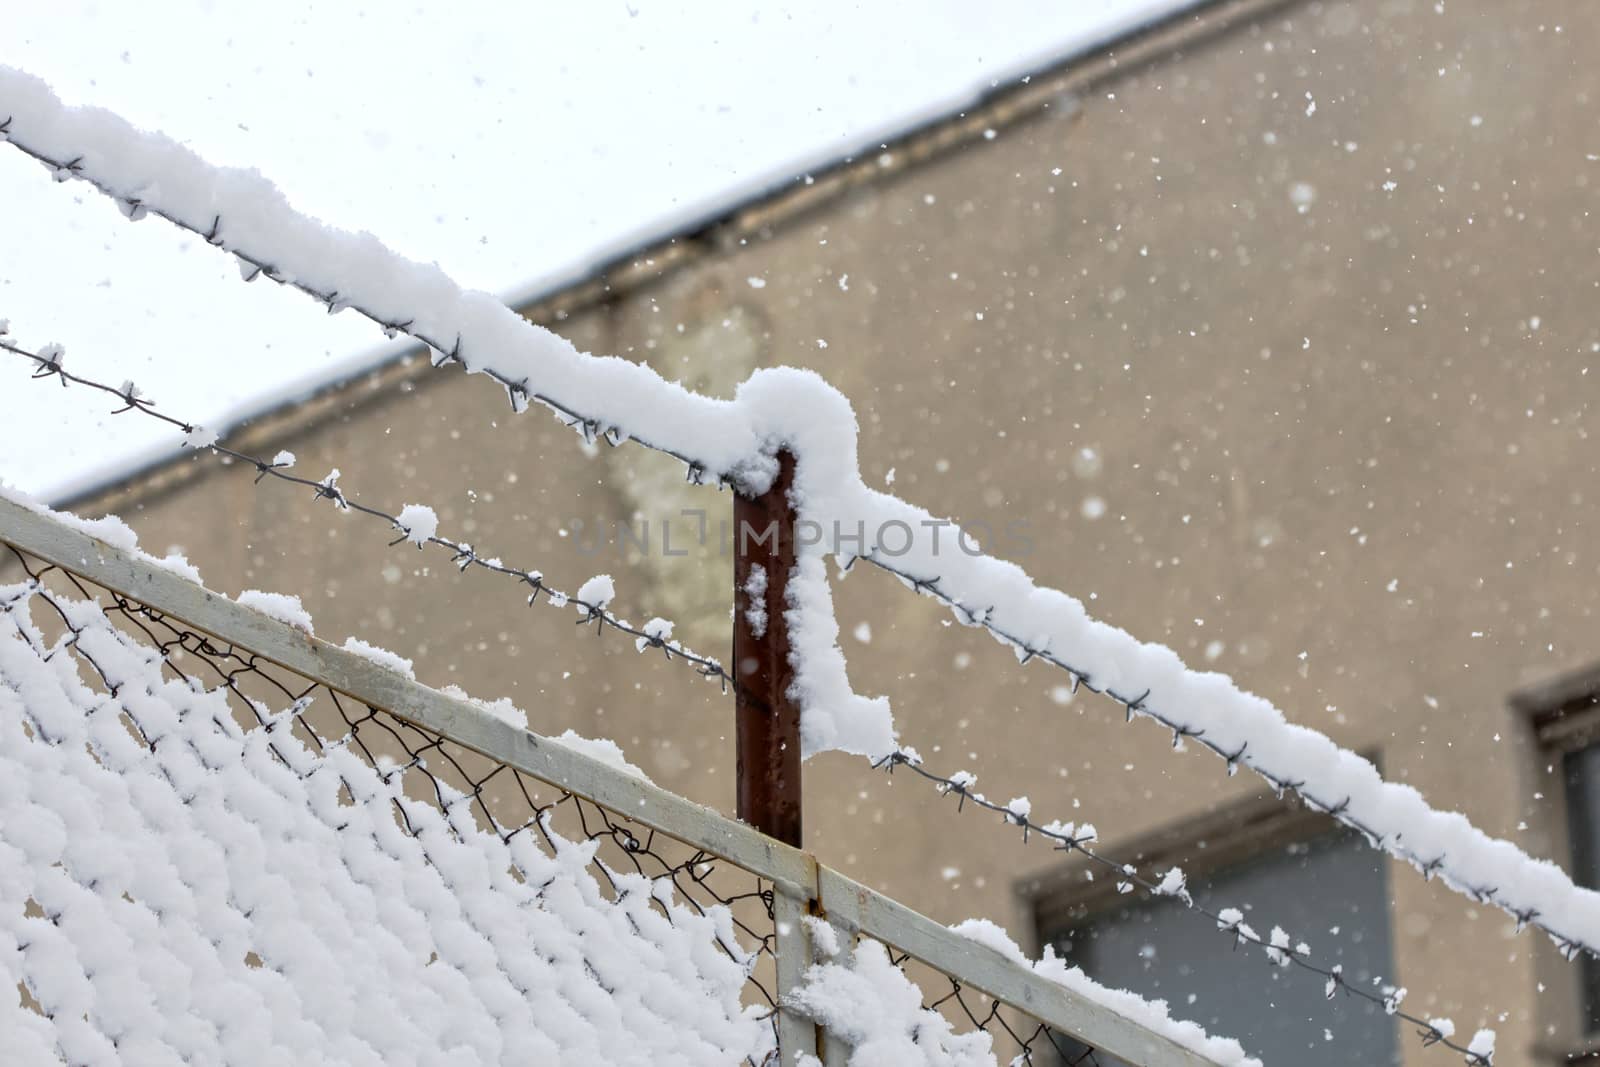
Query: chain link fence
759,898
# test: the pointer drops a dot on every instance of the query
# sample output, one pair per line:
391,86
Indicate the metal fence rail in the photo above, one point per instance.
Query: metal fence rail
514,775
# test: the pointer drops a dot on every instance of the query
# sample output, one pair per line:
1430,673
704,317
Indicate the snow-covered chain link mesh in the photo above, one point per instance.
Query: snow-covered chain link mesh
1014,1033
209,857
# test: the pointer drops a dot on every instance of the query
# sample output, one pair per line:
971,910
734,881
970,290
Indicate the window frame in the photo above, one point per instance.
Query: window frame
1564,712
1563,715
1231,833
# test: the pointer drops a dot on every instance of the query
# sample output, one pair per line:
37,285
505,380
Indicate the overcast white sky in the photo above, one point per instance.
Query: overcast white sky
510,142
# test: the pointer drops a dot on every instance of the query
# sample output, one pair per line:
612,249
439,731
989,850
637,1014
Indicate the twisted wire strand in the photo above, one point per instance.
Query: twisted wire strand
1137,705
443,351
48,364
960,786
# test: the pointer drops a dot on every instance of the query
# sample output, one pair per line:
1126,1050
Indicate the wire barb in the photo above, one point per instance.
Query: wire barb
1067,838
47,362
442,353
1338,809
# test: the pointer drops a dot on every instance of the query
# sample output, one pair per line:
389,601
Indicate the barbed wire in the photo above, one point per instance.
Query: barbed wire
1568,945
397,747
48,364
1281,954
443,352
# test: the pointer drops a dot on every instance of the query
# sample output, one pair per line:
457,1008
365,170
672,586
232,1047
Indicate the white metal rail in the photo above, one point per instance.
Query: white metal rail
802,885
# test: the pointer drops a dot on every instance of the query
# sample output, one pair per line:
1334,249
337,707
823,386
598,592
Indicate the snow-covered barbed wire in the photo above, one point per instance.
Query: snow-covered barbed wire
1332,780
413,524
217,860
1280,948
735,442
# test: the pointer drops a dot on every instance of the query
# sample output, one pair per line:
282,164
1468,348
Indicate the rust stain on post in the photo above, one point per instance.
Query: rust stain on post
768,722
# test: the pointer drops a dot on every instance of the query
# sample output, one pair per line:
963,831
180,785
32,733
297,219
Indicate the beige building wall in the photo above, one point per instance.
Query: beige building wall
1282,345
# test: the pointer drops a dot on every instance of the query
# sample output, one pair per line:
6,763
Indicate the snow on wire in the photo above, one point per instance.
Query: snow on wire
203,863
735,442
415,524
1281,950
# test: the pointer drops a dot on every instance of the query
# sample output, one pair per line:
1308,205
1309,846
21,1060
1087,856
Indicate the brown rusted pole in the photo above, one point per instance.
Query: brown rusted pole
768,722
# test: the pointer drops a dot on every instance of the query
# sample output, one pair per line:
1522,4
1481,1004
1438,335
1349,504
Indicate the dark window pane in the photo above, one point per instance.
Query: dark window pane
1330,893
1583,826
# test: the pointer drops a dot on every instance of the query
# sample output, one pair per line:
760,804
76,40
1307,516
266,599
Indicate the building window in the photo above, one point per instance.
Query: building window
1582,770
1565,714
1321,883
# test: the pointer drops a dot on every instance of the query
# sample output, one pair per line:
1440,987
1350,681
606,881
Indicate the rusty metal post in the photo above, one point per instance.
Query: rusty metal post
768,722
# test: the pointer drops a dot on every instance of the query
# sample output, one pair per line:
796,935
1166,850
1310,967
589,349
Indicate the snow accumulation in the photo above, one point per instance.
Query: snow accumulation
223,895
110,529
870,1002
875,1009
200,437
419,523
598,591
1174,884
755,600
285,607
381,656
657,631
737,441
601,749
502,709
1151,1014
